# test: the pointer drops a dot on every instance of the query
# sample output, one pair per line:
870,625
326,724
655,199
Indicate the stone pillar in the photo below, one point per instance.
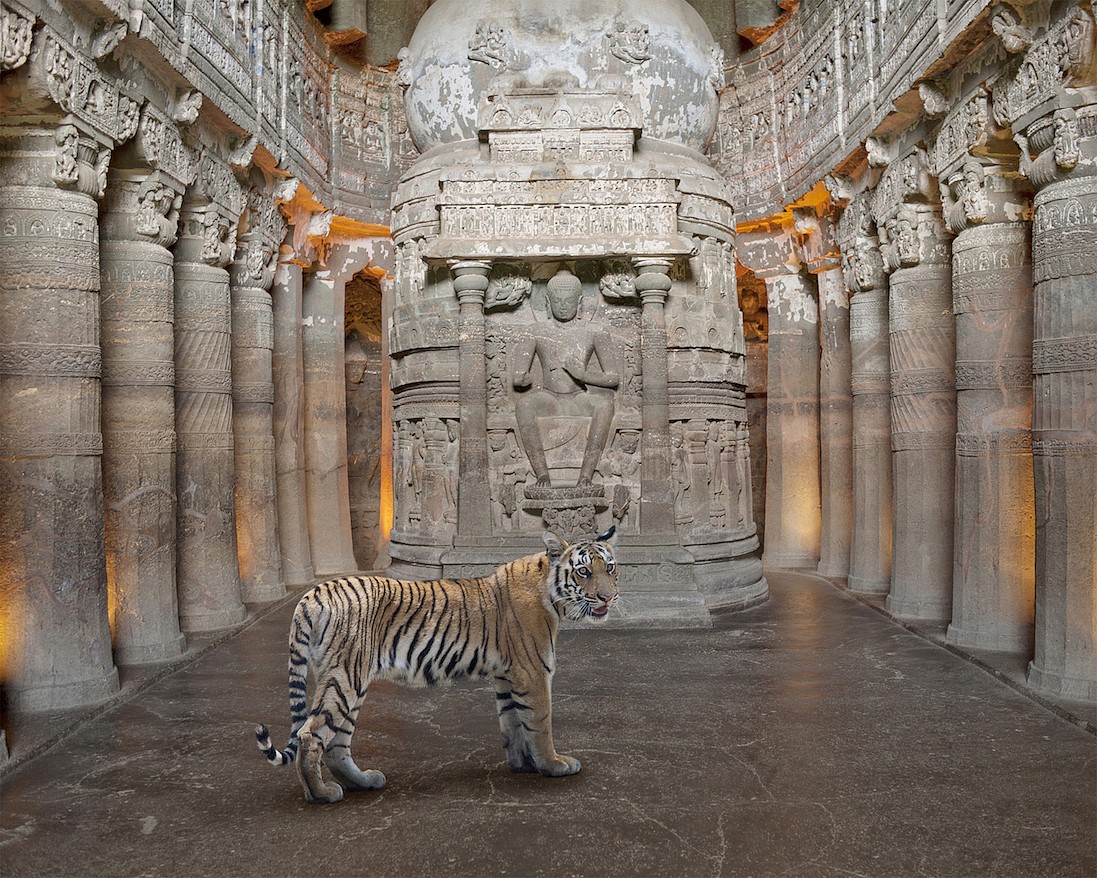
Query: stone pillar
793,509
208,569
253,401
55,649
870,537
470,283
656,493
138,312
288,414
1064,419
821,258
923,399
993,581
325,436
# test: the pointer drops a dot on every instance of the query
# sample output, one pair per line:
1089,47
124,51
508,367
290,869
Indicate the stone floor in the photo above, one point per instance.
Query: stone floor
811,736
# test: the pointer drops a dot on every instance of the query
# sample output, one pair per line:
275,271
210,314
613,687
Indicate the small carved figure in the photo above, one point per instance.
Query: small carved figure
450,469
573,360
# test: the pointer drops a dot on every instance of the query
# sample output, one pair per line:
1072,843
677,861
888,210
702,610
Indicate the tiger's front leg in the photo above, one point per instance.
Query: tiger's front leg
534,728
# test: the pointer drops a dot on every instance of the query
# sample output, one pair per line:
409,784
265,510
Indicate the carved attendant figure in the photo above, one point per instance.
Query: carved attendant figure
573,359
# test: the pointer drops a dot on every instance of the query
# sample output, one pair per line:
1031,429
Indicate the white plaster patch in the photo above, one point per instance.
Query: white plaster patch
148,824
30,391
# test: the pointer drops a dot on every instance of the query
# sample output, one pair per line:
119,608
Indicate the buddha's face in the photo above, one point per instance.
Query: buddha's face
563,295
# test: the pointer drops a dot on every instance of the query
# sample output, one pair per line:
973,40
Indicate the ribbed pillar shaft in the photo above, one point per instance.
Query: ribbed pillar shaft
835,425
325,436
138,311
55,649
993,581
288,413
870,540
793,511
923,421
208,569
253,428
1064,430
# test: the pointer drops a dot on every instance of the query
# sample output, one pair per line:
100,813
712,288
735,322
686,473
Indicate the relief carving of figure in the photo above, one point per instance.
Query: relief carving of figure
450,468
576,381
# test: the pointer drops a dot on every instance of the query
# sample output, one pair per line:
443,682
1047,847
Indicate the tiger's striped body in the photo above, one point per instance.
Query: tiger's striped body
351,631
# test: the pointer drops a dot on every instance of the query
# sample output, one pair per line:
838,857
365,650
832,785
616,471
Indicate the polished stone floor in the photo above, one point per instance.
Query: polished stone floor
808,737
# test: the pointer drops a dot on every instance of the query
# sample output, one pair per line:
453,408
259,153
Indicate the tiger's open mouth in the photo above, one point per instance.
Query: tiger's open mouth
599,611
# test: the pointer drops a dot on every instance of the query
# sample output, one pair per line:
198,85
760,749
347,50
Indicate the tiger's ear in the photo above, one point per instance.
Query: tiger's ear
554,546
610,536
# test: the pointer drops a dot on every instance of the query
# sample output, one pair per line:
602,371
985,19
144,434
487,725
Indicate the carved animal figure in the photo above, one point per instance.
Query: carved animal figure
351,631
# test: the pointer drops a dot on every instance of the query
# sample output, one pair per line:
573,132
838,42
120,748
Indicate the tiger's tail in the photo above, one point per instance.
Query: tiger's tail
300,639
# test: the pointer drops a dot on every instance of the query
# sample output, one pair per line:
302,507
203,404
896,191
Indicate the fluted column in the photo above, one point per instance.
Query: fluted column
923,390
821,258
288,414
55,647
138,311
208,569
993,580
656,493
253,401
325,422
870,537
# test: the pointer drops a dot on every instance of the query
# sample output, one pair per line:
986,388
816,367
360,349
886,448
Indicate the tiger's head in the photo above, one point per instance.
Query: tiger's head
582,583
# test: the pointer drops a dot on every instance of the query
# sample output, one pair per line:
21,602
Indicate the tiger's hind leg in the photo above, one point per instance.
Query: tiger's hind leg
511,706
338,759
332,713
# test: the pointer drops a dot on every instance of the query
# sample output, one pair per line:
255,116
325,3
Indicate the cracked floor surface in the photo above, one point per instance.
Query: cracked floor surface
807,737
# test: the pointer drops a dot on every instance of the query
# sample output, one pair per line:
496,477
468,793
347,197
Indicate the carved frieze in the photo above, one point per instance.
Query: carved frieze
79,87
16,30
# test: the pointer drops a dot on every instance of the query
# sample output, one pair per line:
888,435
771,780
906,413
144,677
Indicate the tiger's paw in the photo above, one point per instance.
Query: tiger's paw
328,794
561,766
353,778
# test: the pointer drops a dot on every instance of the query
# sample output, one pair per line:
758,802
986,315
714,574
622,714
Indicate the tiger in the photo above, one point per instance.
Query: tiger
350,631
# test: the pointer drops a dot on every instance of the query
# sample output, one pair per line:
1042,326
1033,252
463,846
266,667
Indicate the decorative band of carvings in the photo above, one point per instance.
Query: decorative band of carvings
251,444
1064,354
905,314
993,374
262,391
917,381
909,441
864,384
993,444
138,441
51,444
139,373
204,441
203,381
1054,257
55,360
1046,446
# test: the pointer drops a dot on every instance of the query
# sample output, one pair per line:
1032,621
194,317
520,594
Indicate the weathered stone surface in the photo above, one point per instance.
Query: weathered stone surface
53,583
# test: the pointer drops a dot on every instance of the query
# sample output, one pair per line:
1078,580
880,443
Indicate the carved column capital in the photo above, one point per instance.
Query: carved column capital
818,246
470,280
652,278
769,251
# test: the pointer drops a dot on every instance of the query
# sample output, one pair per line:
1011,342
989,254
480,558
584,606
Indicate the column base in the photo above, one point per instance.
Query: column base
923,611
295,575
790,561
62,696
150,653
1054,683
261,594
212,621
833,570
864,585
1000,641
